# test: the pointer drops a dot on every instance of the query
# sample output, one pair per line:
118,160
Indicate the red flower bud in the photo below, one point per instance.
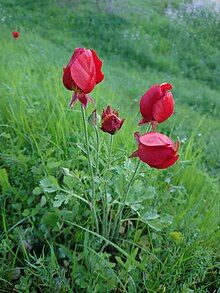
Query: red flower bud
156,149
157,104
111,123
15,35
83,71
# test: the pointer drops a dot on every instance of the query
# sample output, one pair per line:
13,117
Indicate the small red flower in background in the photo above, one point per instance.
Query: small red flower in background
111,123
157,104
156,149
15,34
82,73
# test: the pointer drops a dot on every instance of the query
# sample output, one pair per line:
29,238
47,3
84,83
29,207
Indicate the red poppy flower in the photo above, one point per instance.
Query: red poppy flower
157,104
82,73
15,34
156,149
111,123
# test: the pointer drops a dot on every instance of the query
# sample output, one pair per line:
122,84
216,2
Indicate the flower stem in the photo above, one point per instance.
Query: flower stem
106,207
120,210
97,149
87,140
90,168
130,183
110,152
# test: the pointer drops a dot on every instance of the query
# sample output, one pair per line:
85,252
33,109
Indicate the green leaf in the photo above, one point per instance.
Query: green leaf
26,213
53,164
37,191
150,215
4,180
69,181
166,219
155,224
43,201
49,184
51,218
68,214
59,199
150,192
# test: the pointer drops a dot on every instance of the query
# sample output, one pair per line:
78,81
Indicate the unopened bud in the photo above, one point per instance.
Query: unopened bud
94,118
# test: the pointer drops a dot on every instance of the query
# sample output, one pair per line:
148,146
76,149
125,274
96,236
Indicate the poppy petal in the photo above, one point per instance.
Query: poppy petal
153,139
148,100
83,72
168,163
155,156
163,108
166,86
98,66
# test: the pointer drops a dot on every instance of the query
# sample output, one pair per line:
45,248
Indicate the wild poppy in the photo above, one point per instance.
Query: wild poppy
157,104
156,149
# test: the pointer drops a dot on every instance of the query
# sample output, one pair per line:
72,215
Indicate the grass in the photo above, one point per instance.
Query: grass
47,243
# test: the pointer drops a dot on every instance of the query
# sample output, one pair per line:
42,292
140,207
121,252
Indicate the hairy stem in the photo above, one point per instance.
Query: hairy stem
97,149
106,207
120,209
90,168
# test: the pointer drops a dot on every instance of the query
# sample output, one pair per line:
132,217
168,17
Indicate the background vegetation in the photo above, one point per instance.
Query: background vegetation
140,42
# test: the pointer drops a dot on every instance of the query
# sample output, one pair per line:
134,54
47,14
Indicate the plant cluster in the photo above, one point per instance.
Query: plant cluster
82,73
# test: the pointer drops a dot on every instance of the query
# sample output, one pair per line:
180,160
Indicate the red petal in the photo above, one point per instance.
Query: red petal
153,139
106,111
76,53
67,79
83,72
98,66
166,86
111,124
148,100
168,163
155,156
163,108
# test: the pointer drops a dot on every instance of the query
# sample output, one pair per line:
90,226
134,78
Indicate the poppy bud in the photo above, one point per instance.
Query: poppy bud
83,72
156,149
15,34
157,104
94,118
111,123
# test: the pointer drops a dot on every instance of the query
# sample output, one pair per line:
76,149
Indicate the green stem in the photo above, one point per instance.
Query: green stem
120,211
106,208
97,150
130,183
90,168
110,152
87,140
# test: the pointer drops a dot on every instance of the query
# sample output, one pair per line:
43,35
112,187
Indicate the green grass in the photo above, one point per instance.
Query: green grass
48,242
